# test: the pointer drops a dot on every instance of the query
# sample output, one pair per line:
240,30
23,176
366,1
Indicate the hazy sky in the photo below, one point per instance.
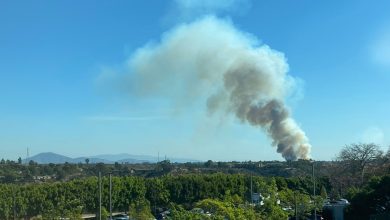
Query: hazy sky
55,57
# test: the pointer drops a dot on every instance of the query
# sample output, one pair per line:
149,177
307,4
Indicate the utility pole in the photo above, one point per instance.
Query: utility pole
14,201
251,191
27,155
296,208
100,195
314,193
110,195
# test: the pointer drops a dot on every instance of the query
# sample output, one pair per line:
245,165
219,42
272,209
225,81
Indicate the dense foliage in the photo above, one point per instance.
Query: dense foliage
373,198
223,195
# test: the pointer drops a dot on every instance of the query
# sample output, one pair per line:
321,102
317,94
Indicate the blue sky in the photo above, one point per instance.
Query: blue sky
53,97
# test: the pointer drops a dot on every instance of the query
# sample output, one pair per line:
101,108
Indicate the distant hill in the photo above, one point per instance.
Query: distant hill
49,157
127,157
91,160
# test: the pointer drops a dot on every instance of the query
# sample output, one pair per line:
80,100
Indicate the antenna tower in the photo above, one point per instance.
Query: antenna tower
27,155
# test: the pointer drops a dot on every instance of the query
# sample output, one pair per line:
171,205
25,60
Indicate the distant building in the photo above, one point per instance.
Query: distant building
257,198
42,178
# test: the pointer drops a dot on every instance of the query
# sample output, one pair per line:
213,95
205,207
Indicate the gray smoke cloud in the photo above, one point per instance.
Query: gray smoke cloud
237,75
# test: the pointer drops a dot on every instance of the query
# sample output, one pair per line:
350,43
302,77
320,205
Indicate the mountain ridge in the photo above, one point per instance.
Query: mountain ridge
50,157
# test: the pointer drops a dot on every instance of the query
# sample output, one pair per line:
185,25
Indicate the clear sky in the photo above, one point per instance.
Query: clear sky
53,55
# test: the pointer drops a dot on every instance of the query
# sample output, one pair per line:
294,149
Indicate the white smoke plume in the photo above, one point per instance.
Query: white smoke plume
238,75
189,9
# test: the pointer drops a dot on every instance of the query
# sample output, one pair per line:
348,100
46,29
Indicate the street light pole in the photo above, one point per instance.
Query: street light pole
110,196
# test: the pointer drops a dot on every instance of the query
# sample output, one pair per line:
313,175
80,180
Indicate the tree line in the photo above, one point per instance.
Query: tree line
214,192
360,173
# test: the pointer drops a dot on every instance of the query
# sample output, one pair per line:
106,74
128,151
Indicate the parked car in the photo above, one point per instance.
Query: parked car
343,201
120,217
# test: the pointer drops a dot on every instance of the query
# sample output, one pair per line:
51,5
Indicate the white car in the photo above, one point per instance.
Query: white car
120,217
343,201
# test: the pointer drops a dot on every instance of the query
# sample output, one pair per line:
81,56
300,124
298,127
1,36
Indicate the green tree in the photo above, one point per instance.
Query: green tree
140,210
164,166
227,210
179,213
157,193
105,213
373,198
323,192
209,163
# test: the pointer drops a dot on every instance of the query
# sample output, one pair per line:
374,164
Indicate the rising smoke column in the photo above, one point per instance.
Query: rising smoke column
211,58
